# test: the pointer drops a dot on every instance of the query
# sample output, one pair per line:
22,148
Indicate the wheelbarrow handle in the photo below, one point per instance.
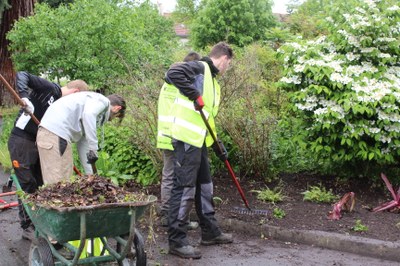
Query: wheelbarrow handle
9,205
227,164
7,193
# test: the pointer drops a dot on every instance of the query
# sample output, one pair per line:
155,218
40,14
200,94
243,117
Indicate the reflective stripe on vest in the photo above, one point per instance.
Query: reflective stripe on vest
188,126
165,101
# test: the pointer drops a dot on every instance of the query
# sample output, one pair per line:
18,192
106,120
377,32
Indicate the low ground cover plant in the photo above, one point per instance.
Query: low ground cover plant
319,194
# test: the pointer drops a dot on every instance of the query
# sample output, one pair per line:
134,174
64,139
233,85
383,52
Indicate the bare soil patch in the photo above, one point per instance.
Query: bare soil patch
310,215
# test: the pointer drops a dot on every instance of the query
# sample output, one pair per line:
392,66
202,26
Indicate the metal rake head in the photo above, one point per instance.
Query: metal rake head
248,211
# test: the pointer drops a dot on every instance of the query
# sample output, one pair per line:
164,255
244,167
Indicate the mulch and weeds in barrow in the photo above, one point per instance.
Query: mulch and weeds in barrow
84,191
294,212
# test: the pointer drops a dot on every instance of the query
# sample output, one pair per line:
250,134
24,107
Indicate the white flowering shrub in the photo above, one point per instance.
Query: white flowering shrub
346,86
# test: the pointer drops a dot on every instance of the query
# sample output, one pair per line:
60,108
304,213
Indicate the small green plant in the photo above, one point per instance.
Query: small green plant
359,227
217,200
270,195
278,213
319,194
102,199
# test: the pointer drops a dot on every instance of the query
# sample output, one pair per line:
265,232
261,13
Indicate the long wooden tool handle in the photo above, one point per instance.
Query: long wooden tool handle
20,101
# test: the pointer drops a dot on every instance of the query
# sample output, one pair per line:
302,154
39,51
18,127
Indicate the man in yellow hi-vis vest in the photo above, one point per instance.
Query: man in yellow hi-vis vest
195,89
164,142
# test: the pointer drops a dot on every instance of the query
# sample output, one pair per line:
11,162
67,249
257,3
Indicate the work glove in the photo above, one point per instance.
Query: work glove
198,103
28,107
91,157
220,151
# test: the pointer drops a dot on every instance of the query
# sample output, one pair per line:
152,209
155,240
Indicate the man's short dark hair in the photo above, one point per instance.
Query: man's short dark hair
221,49
192,56
115,99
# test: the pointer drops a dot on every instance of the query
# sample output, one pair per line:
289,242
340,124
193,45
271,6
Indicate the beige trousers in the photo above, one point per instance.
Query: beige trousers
55,167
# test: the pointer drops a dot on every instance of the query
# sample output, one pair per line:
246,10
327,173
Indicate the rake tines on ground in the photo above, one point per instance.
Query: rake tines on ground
248,211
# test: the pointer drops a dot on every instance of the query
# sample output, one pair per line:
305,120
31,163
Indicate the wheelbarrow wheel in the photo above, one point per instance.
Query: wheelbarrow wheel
40,253
137,256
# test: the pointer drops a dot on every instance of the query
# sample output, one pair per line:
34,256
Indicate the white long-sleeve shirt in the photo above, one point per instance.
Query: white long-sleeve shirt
77,115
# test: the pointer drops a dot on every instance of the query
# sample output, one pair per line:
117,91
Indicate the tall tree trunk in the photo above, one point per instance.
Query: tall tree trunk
19,8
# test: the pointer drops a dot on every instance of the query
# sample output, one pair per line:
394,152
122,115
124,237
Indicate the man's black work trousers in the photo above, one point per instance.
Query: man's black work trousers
192,182
25,158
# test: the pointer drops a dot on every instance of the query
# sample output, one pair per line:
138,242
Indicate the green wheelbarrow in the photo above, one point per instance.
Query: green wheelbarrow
112,223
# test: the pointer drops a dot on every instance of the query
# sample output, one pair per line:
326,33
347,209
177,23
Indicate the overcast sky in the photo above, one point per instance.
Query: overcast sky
278,7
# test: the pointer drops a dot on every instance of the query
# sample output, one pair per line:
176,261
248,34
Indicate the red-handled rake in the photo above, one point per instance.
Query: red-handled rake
7,205
232,174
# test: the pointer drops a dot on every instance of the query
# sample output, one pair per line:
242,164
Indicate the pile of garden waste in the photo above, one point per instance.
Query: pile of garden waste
83,191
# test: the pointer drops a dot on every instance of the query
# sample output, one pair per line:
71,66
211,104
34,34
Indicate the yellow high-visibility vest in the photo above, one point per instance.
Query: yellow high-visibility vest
186,123
166,99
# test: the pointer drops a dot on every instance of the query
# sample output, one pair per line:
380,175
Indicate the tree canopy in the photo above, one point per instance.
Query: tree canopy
95,40
238,22
55,3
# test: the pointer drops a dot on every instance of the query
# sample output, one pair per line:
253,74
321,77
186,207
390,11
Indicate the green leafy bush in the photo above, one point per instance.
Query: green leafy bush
238,22
9,115
345,86
250,106
124,158
98,41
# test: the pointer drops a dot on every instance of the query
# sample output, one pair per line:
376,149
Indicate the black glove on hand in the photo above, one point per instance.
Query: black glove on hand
91,157
220,151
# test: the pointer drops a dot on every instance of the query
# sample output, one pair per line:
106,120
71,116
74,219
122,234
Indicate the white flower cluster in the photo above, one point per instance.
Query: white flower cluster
357,21
394,8
351,57
297,46
392,117
292,79
309,104
298,68
371,3
384,55
374,130
384,40
353,40
372,90
368,50
395,127
343,79
385,139
396,29
357,70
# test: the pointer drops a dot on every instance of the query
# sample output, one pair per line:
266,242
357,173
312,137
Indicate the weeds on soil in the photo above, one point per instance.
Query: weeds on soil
359,227
319,194
278,213
270,195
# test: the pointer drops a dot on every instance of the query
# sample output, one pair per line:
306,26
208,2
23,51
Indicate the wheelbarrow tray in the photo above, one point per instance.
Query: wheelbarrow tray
104,220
